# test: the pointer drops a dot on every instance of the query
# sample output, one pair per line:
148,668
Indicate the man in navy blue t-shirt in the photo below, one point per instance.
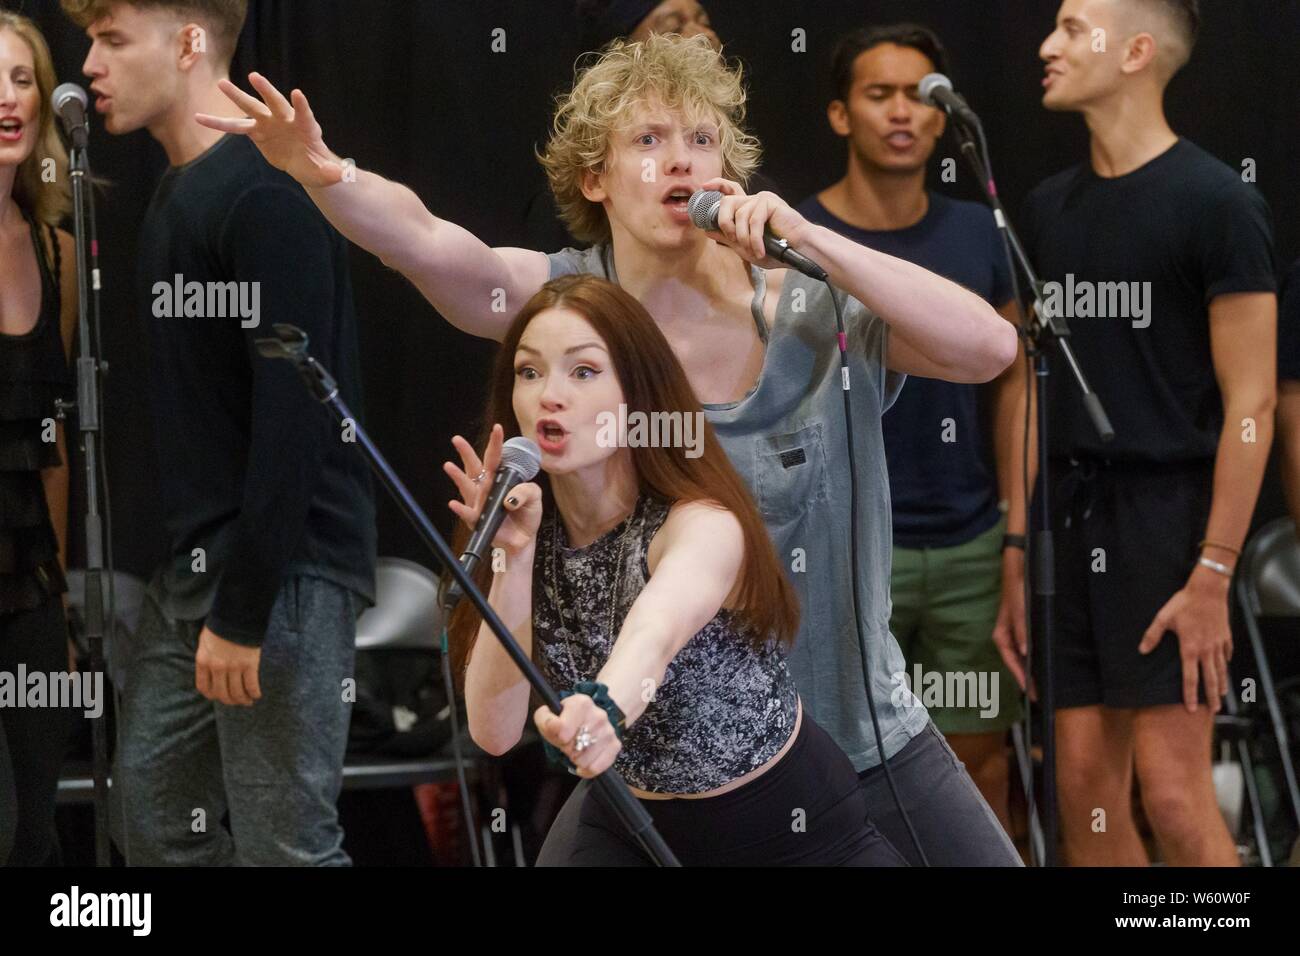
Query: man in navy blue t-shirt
958,511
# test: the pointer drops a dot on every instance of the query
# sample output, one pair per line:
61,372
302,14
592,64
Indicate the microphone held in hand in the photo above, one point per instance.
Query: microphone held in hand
703,208
69,102
521,459
936,90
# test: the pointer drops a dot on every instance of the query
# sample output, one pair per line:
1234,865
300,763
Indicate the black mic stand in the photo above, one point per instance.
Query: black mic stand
1040,332
90,371
290,343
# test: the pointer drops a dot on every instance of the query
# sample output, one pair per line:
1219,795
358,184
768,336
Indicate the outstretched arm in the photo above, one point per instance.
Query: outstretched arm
1243,345
703,549
477,288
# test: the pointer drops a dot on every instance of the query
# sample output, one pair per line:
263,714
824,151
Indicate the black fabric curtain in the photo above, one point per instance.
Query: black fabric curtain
412,89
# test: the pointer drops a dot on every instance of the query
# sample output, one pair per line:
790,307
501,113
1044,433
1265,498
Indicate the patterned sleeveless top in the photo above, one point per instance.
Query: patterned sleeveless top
724,708
33,373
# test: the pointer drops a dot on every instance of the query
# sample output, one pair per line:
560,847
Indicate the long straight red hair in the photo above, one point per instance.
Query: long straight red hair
652,381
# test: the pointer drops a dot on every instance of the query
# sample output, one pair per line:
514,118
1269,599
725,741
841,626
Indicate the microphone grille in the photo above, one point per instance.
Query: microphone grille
522,455
66,91
702,207
929,83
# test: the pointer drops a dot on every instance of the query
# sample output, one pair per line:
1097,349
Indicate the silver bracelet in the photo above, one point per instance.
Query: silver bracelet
1214,566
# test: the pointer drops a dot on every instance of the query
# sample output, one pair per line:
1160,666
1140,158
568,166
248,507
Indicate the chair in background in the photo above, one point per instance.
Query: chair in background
1267,585
406,614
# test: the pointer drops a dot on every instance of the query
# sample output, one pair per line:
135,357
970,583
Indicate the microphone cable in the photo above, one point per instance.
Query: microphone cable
466,807
975,146
854,562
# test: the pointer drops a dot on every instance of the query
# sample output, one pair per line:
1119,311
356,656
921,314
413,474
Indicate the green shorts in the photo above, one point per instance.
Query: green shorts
945,603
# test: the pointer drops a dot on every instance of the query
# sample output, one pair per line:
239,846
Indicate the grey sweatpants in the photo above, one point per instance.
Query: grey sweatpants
953,821
276,766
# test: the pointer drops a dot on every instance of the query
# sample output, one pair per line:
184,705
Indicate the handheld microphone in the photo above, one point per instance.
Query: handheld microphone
69,102
520,461
936,90
703,208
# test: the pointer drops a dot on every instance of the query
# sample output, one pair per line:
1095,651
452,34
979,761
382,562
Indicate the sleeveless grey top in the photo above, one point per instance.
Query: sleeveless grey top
725,707
788,439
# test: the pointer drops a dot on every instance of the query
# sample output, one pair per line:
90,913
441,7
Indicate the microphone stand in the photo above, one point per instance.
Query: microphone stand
90,372
1040,332
290,343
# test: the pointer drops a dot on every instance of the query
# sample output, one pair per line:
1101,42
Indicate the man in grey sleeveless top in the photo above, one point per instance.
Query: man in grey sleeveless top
787,438
772,387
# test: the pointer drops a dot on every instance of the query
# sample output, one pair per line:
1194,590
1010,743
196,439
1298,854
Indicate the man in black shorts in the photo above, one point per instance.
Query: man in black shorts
1160,257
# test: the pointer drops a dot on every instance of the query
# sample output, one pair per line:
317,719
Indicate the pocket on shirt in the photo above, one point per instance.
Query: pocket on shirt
790,472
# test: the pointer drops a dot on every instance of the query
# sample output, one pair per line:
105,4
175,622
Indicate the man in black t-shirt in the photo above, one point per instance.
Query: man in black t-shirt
1160,257
237,699
958,510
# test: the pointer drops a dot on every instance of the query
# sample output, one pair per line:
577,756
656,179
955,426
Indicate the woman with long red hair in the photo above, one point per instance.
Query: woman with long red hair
642,577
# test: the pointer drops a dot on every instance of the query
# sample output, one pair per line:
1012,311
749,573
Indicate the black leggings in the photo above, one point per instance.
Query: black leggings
32,739
808,810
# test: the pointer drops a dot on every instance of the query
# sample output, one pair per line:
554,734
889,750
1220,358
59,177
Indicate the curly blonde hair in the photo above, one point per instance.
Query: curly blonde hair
46,199
678,74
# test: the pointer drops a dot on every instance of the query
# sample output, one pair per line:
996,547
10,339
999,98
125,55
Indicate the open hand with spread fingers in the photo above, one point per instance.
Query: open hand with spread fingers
285,130
473,479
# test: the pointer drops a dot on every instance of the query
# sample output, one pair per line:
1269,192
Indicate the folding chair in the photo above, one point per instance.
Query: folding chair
1267,585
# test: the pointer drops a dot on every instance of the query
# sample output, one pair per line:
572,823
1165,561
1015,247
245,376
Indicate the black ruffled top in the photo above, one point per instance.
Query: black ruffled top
33,374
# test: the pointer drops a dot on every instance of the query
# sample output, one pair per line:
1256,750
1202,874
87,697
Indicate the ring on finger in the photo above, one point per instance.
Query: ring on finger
583,740
479,477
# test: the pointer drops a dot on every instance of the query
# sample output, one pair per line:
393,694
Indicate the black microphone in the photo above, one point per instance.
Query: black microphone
936,90
520,461
69,102
703,208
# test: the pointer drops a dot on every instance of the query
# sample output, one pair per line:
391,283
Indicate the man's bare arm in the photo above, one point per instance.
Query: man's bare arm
477,288
1011,402
1243,347
1243,343
937,328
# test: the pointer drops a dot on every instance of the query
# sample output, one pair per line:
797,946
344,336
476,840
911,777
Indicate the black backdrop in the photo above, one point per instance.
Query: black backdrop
412,89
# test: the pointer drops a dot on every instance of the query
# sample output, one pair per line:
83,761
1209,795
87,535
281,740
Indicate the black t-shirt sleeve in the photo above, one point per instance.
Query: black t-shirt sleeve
1234,244
1288,328
274,236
